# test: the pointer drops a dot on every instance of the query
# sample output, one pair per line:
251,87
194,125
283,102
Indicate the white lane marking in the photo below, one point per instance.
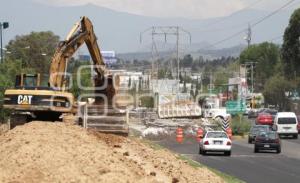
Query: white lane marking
235,155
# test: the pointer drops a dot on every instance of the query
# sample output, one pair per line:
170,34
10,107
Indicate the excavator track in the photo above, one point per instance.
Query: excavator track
105,119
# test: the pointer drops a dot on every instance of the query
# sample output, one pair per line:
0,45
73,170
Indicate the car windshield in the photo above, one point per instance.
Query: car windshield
259,128
287,121
272,112
270,135
216,135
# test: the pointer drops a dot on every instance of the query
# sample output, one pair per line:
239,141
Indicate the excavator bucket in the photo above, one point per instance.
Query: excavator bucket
105,119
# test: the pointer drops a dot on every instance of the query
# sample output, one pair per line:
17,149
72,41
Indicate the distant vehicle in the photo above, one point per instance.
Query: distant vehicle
267,141
253,113
286,123
211,109
215,141
264,119
255,130
210,112
248,109
272,112
298,126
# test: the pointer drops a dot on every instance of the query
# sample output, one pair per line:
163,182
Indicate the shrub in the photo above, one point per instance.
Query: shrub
240,125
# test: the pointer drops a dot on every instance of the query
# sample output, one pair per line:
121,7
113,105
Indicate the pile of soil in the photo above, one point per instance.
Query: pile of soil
59,152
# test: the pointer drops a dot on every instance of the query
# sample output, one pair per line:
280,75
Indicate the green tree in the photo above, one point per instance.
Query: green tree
85,78
187,61
266,56
161,73
275,92
8,70
184,87
147,101
34,50
140,85
291,47
180,77
129,82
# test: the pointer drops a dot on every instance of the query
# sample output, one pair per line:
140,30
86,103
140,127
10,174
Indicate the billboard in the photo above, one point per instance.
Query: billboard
109,57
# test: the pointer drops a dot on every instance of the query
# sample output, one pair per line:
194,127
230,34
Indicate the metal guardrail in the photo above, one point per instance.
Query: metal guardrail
103,122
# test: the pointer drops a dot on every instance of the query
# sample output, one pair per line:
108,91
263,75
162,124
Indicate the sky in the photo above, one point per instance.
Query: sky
195,9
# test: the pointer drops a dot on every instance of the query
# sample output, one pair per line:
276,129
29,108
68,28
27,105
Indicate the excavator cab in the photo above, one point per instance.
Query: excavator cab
28,81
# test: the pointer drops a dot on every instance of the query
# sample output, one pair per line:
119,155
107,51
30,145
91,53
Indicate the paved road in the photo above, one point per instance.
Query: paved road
246,165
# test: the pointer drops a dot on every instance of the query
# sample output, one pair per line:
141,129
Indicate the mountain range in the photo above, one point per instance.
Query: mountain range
120,31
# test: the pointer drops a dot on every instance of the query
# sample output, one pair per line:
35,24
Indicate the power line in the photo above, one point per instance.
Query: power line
273,13
228,17
166,31
254,24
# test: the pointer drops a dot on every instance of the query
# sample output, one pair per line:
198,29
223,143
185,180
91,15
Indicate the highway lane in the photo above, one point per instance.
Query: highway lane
244,163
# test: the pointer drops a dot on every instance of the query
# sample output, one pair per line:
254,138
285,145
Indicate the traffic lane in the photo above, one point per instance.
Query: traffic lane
297,141
289,147
244,164
254,168
190,146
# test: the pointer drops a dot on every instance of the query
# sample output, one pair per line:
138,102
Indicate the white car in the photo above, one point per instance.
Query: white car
215,141
286,124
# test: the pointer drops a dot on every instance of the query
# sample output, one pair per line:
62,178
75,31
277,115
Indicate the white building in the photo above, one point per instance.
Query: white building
130,79
240,84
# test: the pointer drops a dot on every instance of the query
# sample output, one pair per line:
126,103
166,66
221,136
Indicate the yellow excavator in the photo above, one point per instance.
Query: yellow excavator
31,101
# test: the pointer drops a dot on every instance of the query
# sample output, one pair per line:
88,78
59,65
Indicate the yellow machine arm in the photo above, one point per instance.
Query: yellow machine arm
82,32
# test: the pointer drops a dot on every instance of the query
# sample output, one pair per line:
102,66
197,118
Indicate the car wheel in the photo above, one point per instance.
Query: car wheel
203,152
296,136
227,153
200,150
278,150
255,150
249,141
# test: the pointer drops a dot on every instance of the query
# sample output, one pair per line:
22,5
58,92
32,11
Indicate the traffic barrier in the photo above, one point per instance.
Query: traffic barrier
179,135
229,133
225,124
199,134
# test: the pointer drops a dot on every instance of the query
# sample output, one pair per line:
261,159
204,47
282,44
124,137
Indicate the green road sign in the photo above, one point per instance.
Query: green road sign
235,107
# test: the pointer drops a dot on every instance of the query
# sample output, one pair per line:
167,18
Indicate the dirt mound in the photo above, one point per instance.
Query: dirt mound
56,152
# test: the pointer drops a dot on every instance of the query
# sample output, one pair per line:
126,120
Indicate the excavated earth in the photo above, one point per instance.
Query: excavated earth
59,152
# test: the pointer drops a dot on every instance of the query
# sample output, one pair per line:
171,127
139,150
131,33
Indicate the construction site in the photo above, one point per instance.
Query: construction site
149,91
102,136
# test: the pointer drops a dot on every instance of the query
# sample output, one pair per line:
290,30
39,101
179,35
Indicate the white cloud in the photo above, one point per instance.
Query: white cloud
164,8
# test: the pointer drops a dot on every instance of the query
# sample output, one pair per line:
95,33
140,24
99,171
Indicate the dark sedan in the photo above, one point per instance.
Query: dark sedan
267,141
255,130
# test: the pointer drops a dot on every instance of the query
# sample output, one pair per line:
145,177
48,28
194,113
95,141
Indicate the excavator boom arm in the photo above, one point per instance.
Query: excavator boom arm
82,32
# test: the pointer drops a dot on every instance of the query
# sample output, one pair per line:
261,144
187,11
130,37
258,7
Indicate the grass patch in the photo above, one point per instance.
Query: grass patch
240,125
191,162
227,178
153,145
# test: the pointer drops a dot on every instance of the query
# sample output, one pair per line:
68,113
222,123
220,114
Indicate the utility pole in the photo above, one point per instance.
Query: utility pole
3,25
252,73
248,36
177,51
166,31
252,85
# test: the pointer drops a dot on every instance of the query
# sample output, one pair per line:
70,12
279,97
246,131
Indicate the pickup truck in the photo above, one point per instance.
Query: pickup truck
211,112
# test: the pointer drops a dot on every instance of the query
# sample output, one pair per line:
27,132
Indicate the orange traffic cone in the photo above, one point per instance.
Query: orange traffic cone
199,134
229,133
179,135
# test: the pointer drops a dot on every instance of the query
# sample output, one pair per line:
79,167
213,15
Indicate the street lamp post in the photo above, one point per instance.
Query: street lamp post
3,25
